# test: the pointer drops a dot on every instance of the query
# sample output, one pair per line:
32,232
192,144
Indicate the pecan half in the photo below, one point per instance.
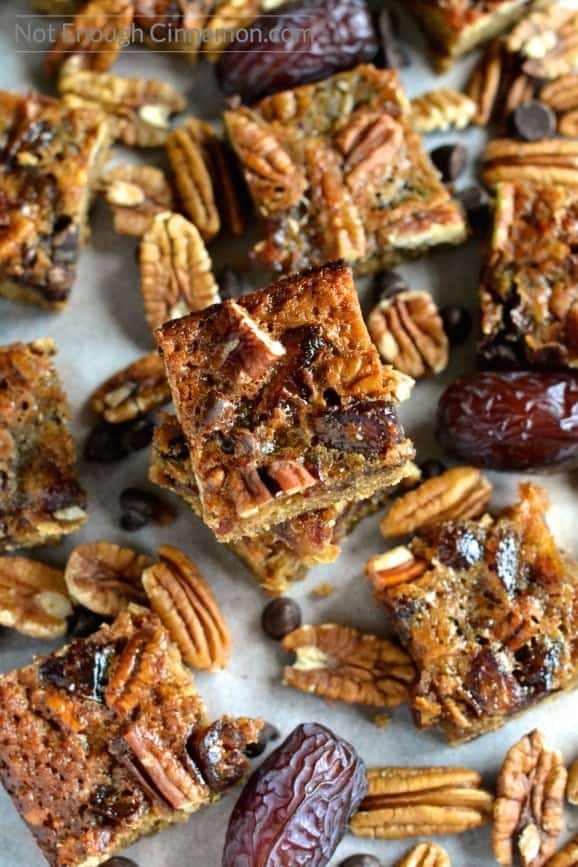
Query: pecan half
166,775
485,82
456,495
133,391
551,161
249,352
105,578
33,598
572,785
396,566
186,149
138,110
370,143
441,110
176,270
341,663
568,124
95,36
562,93
273,178
227,18
425,855
412,802
528,813
549,42
187,607
135,669
135,194
409,333
567,856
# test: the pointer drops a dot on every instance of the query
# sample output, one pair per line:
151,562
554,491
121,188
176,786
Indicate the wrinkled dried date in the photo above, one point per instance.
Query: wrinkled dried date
294,808
326,37
362,427
511,421
82,670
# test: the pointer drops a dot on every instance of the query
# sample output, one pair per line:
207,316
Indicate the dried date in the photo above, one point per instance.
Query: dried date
512,421
294,808
326,37
363,427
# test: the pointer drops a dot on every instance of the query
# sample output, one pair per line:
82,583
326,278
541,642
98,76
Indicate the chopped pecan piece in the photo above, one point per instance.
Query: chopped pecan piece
567,856
412,802
441,110
341,663
166,775
568,124
550,161
176,270
456,495
138,110
249,352
187,152
409,333
273,178
228,17
188,609
105,578
136,194
562,93
549,42
133,391
529,808
33,598
96,36
291,476
396,566
425,855
572,785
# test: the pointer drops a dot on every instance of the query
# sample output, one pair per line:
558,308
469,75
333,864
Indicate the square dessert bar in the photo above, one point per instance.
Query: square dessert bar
50,158
40,497
107,740
284,403
281,555
529,291
491,622
457,26
335,170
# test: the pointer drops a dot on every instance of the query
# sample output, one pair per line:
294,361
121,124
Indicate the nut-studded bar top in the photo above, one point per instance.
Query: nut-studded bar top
284,402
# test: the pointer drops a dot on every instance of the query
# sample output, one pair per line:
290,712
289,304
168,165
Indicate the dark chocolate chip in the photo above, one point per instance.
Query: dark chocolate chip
449,160
361,860
533,121
83,623
138,508
457,323
267,734
280,617
137,434
232,284
390,55
120,862
431,468
386,284
104,444
475,201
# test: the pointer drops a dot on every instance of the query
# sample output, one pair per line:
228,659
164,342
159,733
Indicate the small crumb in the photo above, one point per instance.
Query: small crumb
381,720
323,590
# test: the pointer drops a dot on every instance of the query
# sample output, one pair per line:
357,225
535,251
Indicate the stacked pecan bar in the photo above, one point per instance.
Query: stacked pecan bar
40,496
287,420
336,170
50,158
107,740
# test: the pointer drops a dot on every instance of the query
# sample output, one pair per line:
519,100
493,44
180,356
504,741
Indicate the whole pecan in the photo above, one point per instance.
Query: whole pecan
228,17
33,598
561,94
456,495
187,607
135,194
529,807
551,161
105,578
187,153
409,333
133,391
425,855
341,663
411,802
176,270
486,81
441,110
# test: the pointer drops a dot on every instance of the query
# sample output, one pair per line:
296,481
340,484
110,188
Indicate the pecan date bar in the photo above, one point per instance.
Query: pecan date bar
458,26
529,291
284,403
40,497
336,170
107,740
490,619
50,158
283,554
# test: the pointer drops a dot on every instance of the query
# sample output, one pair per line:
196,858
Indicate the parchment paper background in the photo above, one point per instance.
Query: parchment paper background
104,329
